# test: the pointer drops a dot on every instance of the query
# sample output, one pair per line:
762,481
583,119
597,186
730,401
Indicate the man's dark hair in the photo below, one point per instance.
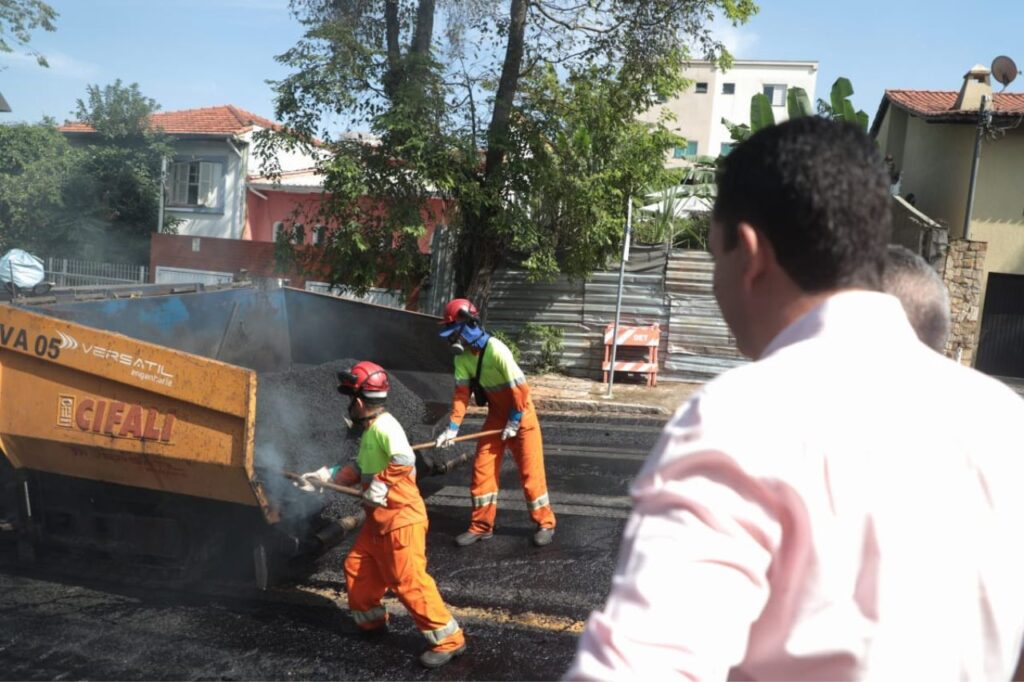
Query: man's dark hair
922,292
819,192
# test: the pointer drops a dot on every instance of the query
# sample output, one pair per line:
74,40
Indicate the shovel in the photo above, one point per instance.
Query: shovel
354,492
443,469
458,439
461,459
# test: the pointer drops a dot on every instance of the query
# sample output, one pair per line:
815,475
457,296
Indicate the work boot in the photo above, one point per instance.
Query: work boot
374,633
469,537
435,659
543,536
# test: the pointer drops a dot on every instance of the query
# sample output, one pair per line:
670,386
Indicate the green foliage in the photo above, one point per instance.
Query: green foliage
840,108
578,154
40,183
510,342
523,119
123,162
548,343
798,104
666,225
761,115
19,18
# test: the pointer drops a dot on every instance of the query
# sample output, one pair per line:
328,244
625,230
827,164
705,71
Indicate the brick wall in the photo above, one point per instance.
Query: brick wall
962,271
221,255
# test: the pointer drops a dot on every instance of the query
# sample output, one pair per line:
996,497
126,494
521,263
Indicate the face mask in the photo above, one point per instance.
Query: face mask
455,344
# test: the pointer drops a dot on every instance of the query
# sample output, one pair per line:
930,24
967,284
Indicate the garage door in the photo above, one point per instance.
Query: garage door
1001,342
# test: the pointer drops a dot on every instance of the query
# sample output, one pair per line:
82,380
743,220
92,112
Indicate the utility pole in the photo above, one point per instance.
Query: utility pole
163,190
618,298
984,118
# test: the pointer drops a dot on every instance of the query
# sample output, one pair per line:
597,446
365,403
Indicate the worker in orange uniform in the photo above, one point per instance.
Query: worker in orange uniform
390,551
490,373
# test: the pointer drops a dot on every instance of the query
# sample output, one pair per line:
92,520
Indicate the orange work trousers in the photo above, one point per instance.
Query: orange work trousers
397,561
528,451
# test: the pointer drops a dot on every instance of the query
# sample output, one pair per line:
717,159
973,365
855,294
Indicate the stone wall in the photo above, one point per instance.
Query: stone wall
962,270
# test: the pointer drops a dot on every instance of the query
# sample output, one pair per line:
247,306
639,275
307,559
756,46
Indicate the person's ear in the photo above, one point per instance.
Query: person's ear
756,250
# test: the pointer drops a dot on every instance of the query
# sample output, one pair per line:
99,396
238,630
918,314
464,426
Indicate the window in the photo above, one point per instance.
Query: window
298,233
776,94
278,226
728,88
687,152
726,148
320,234
197,185
702,88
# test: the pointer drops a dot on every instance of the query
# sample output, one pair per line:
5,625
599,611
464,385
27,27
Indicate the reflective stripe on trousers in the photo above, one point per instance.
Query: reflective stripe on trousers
373,615
484,500
435,637
541,501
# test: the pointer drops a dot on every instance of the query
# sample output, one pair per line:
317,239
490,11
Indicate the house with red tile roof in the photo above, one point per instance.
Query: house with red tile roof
230,208
931,135
215,184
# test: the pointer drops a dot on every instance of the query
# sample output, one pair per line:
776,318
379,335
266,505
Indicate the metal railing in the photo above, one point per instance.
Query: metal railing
68,272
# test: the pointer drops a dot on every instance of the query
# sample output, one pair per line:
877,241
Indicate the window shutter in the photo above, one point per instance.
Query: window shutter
179,183
209,184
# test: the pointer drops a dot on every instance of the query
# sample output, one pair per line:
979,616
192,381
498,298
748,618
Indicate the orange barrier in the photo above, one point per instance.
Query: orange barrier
633,337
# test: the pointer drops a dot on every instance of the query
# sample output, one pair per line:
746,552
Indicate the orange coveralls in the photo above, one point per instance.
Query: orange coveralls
507,392
390,551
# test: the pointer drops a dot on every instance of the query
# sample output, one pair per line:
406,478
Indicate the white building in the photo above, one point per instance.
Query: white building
714,94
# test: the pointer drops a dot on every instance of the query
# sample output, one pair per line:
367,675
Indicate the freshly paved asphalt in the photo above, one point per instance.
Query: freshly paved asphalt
521,606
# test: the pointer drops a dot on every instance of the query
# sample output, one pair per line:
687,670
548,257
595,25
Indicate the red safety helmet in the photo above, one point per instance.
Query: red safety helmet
460,310
366,379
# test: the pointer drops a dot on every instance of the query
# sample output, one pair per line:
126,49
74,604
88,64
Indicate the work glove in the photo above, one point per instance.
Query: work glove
309,480
511,428
376,494
447,436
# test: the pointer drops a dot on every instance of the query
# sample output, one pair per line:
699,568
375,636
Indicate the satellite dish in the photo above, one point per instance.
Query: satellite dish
1004,70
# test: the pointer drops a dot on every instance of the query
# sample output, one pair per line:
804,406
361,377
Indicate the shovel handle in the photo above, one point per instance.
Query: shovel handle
458,439
354,492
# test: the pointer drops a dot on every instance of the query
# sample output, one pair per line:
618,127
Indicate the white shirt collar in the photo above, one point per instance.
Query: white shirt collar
850,313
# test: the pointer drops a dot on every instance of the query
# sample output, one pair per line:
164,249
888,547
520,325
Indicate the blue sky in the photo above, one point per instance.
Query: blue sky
195,53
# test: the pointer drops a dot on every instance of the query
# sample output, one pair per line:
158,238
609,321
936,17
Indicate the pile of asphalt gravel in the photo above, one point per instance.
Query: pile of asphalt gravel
300,427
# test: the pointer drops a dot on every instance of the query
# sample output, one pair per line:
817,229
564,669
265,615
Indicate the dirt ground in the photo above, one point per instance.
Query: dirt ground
667,395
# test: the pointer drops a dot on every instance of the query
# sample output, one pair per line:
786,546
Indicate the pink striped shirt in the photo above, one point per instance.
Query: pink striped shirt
850,506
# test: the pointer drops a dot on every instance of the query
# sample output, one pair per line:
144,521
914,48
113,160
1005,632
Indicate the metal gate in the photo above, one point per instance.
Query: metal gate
1001,341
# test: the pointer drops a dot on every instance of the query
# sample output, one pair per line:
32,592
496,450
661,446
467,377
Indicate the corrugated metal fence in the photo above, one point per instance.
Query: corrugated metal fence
581,310
695,342
700,345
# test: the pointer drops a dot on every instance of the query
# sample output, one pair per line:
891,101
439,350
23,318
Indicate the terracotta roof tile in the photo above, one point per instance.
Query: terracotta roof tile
939,103
221,120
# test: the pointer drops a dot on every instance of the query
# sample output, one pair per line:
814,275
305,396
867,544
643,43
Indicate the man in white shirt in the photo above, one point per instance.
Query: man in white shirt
847,506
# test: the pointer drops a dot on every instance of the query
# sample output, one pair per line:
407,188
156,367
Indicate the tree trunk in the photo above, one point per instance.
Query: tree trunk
480,254
497,132
424,32
391,29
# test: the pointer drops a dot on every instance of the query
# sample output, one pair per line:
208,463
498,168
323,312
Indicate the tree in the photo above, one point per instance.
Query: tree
39,189
522,119
122,162
19,18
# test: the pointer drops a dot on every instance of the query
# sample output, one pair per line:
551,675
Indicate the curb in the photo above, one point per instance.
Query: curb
574,405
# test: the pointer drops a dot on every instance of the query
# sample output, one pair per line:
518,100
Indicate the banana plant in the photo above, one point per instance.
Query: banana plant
840,108
761,114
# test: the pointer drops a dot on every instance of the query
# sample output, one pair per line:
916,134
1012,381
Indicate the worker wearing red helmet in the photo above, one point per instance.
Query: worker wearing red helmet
390,550
488,369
